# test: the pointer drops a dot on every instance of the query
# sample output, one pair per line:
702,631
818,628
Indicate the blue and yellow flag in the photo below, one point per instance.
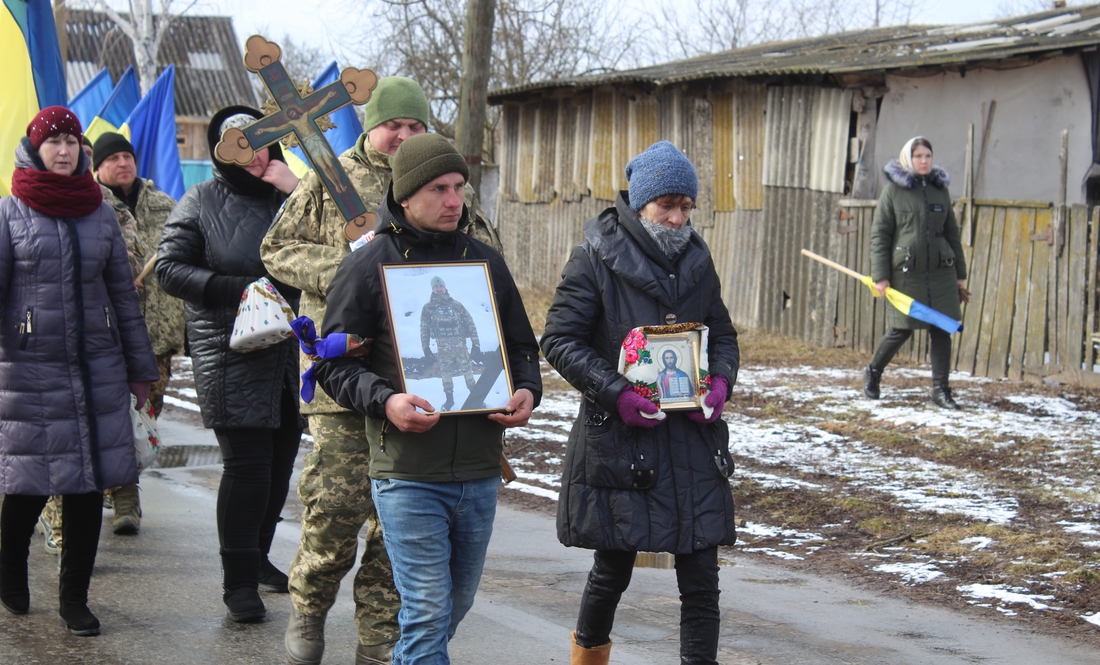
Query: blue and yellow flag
151,128
91,98
32,75
123,100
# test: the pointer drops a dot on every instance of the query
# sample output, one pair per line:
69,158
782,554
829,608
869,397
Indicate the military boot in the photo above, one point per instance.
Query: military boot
450,400
941,397
127,510
305,638
871,377
374,654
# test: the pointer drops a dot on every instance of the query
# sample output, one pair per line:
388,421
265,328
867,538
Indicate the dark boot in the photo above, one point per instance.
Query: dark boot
450,400
79,619
941,397
871,377
81,517
271,580
15,595
240,581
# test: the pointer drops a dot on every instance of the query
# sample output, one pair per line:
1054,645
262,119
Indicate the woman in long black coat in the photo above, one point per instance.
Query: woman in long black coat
208,255
633,483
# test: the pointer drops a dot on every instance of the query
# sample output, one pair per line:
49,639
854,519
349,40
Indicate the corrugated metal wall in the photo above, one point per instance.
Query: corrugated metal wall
807,137
829,145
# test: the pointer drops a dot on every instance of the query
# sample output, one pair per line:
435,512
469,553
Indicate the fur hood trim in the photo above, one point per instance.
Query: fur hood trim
898,175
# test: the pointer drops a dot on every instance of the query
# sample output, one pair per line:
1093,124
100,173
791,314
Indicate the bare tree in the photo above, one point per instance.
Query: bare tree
146,27
1019,7
532,40
718,25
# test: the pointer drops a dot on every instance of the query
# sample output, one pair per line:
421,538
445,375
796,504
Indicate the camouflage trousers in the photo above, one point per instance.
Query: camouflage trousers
454,359
336,497
156,390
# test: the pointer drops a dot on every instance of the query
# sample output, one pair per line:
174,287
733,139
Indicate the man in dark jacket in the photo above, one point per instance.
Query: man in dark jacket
434,478
637,479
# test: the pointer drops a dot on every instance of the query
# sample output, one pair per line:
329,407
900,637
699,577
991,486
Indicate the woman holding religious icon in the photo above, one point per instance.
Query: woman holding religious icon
635,483
916,248
74,348
208,255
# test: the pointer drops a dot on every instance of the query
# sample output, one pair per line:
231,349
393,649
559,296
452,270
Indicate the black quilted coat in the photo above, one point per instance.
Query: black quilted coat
616,280
216,229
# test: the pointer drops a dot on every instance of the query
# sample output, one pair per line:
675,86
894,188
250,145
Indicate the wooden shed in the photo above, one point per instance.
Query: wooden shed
789,139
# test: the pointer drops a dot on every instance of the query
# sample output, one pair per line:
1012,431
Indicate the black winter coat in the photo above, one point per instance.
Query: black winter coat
616,280
458,447
216,230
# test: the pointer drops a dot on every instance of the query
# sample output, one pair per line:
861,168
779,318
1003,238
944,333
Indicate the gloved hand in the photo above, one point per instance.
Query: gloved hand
716,399
429,357
140,390
631,406
475,351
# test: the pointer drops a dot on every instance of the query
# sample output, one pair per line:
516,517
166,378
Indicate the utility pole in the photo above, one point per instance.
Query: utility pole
470,130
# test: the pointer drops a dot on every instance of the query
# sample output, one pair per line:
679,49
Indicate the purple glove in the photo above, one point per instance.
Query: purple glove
140,390
716,399
631,406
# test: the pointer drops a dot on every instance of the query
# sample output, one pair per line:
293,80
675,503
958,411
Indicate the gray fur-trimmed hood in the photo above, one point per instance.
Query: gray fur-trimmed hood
901,177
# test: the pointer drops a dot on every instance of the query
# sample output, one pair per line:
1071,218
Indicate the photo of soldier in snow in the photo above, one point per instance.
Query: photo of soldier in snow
447,321
445,327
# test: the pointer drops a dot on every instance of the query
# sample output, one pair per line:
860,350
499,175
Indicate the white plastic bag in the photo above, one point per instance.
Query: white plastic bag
146,438
263,319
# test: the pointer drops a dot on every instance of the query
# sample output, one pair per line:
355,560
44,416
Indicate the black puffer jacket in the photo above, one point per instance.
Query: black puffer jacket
214,233
616,280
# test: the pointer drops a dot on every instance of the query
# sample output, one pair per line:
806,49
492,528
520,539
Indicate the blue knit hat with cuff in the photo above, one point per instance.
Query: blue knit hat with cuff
661,170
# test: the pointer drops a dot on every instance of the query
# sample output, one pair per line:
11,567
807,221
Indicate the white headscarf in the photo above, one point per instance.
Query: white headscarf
906,156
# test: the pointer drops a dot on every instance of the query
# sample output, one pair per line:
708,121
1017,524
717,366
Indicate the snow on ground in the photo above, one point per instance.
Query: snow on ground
774,451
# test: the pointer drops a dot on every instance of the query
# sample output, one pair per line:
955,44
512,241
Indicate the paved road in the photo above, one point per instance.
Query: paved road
158,597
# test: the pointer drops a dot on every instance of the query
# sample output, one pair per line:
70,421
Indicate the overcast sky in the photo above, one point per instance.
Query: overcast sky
325,23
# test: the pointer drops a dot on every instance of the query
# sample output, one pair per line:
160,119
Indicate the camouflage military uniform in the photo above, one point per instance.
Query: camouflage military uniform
303,248
163,313
448,322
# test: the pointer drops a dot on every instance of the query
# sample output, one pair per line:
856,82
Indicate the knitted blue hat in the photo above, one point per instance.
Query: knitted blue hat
662,169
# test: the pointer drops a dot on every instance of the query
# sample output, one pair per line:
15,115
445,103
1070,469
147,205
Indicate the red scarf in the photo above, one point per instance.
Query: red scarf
57,195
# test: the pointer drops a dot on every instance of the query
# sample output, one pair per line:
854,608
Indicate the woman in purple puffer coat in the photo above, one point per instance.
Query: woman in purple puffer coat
73,347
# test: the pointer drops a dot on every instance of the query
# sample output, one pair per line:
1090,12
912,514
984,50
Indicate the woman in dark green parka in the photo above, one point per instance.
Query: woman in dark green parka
915,248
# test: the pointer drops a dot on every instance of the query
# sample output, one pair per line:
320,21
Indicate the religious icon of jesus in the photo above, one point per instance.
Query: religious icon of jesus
672,382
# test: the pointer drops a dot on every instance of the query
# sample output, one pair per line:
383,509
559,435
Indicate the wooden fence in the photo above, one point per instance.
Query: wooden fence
1032,270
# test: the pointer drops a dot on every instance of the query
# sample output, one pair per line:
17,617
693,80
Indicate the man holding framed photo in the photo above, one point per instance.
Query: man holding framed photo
434,477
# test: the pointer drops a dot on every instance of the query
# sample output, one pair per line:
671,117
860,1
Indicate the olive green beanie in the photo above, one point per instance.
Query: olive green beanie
420,160
395,97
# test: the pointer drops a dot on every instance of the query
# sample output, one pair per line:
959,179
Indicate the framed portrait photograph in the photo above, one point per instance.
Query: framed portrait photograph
664,364
447,334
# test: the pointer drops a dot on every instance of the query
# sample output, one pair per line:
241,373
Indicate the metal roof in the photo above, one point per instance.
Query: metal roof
210,73
864,51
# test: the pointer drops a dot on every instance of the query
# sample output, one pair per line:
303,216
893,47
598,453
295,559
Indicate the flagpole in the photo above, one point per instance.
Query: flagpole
833,264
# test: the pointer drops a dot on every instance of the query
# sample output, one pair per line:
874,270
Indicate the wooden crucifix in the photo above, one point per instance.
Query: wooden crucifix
298,115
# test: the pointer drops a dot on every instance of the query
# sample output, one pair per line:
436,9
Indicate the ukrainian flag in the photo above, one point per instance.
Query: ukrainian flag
86,103
914,309
124,98
151,129
32,75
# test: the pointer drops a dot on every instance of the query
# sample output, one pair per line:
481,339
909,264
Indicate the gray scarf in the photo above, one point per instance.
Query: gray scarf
671,241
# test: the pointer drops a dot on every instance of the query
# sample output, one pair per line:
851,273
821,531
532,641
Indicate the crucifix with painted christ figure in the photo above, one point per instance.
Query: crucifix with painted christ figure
300,115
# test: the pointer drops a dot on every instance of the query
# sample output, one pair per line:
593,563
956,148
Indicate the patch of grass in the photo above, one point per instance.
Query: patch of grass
537,300
759,348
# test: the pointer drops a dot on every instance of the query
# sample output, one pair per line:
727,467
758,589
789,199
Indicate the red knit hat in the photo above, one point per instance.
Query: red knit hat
51,121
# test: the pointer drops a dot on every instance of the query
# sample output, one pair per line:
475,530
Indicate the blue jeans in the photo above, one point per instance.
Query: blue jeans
436,535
